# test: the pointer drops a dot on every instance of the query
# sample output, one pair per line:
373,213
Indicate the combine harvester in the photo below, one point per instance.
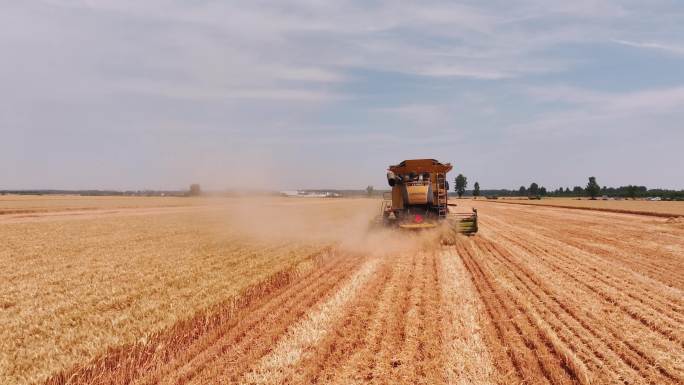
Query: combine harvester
419,198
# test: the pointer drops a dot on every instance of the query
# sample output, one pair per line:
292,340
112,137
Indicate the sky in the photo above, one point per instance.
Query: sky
123,94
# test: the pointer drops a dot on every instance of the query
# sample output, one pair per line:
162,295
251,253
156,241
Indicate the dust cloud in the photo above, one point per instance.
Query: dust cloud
344,223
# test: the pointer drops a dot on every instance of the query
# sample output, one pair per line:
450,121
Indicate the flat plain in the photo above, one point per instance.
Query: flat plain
636,206
31,204
297,291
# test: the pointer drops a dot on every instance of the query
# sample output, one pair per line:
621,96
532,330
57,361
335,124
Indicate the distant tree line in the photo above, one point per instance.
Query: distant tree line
633,191
137,193
592,190
75,192
577,191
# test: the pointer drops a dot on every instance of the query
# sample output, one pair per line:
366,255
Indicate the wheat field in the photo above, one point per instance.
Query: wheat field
627,206
297,291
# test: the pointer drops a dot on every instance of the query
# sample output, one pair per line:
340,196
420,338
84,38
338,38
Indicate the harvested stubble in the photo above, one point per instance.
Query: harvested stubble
30,204
538,296
75,285
665,209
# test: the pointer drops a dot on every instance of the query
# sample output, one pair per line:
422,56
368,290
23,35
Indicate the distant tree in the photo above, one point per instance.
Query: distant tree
476,189
577,190
195,190
534,189
593,189
460,184
632,191
542,190
369,190
522,191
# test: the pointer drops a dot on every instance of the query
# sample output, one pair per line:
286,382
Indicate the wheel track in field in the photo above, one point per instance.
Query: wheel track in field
548,357
466,355
157,368
404,367
574,367
653,294
662,270
615,257
347,336
386,358
524,308
547,311
429,354
629,252
669,320
249,339
589,235
285,361
623,351
369,358
507,362
568,315
593,356
528,365
558,261
350,339
421,360
411,350
641,355
635,292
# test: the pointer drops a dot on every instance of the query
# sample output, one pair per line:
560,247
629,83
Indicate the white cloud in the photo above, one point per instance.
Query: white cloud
235,71
310,74
670,48
422,116
636,102
593,114
460,71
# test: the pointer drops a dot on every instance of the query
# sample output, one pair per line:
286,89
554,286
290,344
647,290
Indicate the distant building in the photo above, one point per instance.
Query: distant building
309,194
195,190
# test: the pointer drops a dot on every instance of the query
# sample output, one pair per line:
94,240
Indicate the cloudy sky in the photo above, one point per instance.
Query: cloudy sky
158,94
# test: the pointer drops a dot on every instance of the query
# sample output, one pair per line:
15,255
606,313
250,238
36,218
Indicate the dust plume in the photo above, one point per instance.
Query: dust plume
345,223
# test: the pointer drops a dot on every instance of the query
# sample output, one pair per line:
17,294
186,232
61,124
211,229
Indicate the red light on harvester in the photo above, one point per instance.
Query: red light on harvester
418,218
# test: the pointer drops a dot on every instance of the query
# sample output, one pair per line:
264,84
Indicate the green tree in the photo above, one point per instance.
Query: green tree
461,182
577,190
369,190
593,189
534,189
476,189
632,191
542,190
522,191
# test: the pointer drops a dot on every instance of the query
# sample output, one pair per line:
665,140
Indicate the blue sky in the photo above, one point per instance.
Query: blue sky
303,94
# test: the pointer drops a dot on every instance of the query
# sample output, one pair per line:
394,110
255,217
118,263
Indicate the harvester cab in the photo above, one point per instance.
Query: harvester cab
419,198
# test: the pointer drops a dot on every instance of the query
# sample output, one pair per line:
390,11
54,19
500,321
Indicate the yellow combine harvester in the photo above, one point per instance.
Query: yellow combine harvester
419,198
